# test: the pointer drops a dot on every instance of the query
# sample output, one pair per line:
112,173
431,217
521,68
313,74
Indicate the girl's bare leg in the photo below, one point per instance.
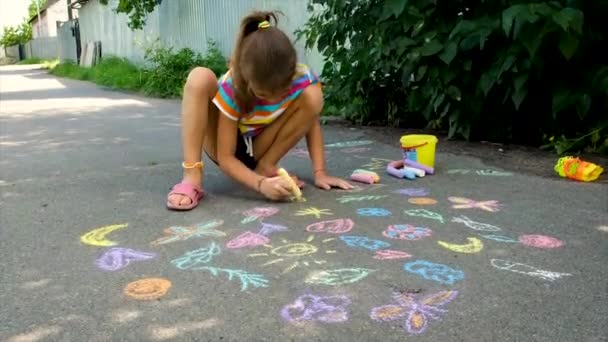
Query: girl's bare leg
284,133
199,125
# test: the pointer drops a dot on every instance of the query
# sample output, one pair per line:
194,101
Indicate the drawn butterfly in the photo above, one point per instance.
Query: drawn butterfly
417,312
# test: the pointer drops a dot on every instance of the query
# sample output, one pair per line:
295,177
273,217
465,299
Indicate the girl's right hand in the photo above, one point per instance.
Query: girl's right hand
275,188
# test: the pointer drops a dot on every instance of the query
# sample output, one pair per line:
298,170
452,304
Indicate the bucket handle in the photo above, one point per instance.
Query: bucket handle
416,146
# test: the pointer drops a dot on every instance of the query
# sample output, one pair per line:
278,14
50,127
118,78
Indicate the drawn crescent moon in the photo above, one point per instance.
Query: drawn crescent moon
97,237
474,246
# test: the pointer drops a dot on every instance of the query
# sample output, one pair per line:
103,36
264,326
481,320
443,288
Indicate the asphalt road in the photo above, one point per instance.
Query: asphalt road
89,252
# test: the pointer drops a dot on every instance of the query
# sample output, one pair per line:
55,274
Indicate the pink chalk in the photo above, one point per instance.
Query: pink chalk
362,178
416,165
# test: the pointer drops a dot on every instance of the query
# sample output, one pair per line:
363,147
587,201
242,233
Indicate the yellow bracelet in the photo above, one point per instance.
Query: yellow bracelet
198,165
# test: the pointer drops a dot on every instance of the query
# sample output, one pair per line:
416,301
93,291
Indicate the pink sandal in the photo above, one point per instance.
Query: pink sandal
193,192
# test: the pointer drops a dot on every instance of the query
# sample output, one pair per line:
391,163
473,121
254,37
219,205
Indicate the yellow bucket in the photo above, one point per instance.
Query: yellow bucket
419,148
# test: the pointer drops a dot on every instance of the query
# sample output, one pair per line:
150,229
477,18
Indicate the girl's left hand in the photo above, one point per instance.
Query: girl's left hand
326,182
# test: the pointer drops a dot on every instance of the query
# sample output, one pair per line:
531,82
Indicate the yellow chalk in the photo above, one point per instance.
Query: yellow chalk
294,187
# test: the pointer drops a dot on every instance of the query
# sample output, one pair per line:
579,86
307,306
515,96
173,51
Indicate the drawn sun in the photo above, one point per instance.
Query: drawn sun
299,253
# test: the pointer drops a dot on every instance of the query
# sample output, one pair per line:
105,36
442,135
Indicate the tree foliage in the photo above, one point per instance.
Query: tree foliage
136,10
32,10
13,35
506,70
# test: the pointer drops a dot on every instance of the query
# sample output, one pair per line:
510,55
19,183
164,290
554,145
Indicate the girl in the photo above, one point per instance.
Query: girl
267,102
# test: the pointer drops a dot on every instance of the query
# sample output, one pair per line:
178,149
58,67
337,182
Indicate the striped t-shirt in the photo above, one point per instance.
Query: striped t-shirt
263,112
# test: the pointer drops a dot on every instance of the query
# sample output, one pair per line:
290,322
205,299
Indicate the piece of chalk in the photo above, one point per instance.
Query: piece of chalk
417,172
294,187
371,173
416,165
362,178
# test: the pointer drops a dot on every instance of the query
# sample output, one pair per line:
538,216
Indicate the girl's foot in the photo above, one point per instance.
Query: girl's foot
185,195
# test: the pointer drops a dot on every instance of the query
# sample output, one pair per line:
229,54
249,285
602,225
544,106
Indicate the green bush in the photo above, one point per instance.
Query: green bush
71,70
118,73
168,72
513,71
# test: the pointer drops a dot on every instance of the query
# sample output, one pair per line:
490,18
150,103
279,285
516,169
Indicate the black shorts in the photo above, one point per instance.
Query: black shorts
241,154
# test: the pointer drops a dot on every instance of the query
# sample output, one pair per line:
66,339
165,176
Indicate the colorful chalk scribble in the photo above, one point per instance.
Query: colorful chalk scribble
312,211
338,226
433,271
527,270
348,199
269,228
474,246
540,241
406,232
248,239
148,288
422,201
412,192
500,238
356,150
388,254
97,237
300,152
487,172
312,308
376,164
193,259
357,241
297,254
475,225
118,258
377,212
353,143
465,203
254,214
337,277
416,312
424,213
182,233
247,279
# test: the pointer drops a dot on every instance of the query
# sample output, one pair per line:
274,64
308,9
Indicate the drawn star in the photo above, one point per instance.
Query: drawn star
314,212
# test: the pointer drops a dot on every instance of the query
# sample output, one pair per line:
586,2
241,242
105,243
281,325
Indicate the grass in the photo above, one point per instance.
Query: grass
111,72
46,63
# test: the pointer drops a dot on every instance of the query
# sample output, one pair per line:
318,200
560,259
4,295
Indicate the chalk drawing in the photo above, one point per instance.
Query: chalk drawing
179,233
495,173
378,212
422,201
540,241
117,258
527,270
297,254
300,153
424,213
312,308
465,203
338,226
387,254
433,271
348,199
358,241
148,288
193,259
474,246
247,239
337,277
412,192
458,171
406,232
353,143
269,228
356,150
312,211
247,279
254,214
416,312
500,238
376,164
97,237
475,225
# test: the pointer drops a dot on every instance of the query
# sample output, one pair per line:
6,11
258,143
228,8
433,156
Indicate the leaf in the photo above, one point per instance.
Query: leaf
393,7
520,91
508,16
568,44
430,48
449,52
454,92
583,105
438,101
453,122
531,37
338,277
487,80
569,18
421,72
417,28
561,100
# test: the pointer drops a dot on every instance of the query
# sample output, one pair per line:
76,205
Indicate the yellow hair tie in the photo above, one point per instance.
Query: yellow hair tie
264,24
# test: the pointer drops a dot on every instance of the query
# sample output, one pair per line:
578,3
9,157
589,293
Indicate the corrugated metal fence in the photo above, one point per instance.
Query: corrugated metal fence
187,23
66,41
42,47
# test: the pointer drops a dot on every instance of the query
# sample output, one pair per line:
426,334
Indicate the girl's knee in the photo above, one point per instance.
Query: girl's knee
312,100
201,80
